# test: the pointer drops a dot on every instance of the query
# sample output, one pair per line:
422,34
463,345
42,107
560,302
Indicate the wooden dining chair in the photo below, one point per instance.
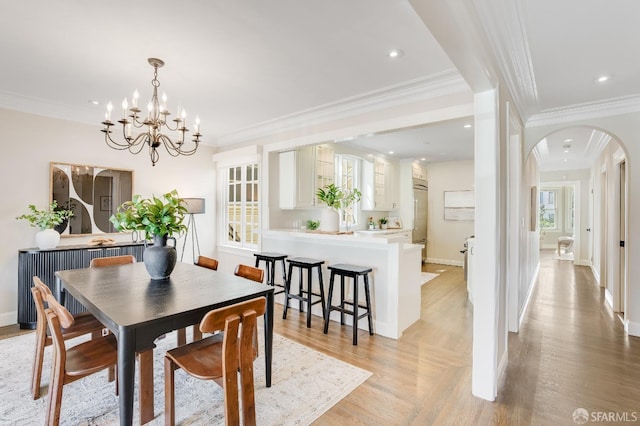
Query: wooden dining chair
83,324
220,357
205,262
250,273
69,365
112,260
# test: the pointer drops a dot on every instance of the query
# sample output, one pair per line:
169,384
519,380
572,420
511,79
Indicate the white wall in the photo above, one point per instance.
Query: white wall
31,142
446,237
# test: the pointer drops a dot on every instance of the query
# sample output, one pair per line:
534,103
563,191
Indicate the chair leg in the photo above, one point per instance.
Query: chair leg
145,365
287,289
197,334
36,373
355,310
181,337
309,291
55,393
367,293
169,396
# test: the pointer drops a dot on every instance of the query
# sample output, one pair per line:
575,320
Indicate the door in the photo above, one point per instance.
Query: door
420,196
622,285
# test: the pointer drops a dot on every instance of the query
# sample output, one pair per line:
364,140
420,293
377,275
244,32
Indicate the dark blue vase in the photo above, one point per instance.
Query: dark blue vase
160,258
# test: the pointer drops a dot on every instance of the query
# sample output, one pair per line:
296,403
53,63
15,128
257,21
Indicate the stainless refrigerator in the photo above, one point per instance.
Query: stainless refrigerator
420,215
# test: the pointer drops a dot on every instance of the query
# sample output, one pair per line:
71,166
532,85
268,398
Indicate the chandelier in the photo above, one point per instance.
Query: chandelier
153,125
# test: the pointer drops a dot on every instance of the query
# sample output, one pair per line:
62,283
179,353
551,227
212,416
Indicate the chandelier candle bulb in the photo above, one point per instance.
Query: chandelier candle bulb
134,100
109,109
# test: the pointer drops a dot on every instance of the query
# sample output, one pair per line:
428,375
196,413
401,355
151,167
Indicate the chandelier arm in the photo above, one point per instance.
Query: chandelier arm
139,142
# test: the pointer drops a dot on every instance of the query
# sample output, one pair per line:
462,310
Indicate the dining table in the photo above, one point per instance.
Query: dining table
138,310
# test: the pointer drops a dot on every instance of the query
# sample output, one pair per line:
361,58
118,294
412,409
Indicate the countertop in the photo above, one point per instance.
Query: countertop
369,238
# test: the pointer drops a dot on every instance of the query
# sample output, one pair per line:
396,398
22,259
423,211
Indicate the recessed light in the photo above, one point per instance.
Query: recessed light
568,140
391,152
94,102
602,79
564,159
395,53
423,159
566,147
467,126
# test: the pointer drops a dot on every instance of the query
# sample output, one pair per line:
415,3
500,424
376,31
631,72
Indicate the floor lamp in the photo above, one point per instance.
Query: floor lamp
194,206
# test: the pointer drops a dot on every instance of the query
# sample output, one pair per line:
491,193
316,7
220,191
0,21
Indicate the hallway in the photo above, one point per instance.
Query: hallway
571,353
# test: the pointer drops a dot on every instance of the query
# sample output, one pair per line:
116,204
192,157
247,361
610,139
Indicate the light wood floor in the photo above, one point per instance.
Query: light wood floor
571,352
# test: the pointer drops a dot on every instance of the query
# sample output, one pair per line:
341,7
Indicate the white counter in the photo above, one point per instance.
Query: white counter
395,281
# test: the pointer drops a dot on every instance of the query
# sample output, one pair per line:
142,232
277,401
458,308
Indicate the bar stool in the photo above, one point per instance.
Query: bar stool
303,263
270,260
353,271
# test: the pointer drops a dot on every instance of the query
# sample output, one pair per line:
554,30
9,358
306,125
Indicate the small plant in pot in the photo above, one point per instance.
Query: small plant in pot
383,222
46,221
160,218
335,198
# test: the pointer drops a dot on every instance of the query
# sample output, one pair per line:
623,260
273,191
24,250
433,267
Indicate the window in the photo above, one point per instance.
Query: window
242,210
571,208
347,173
548,208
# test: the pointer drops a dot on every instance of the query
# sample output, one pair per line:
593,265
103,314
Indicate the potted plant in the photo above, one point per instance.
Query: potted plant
335,198
47,220
160,218
383,222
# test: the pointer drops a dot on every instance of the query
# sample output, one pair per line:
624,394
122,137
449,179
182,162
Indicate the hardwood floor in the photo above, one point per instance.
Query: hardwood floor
571,353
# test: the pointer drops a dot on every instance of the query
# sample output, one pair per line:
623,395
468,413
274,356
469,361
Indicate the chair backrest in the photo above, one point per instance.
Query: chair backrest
250,273
207,262
39,291
239,325
57,316
112,260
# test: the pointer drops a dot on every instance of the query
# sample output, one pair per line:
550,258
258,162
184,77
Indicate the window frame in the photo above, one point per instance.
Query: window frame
555,191
250,229
356,167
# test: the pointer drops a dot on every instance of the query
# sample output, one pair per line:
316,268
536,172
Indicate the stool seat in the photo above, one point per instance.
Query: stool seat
270,256
353,269
304,263
350,271
270,260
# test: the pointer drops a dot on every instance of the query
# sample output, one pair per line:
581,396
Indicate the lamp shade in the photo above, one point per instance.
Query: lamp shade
194,205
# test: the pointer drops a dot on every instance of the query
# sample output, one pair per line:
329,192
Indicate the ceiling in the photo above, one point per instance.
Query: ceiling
242,64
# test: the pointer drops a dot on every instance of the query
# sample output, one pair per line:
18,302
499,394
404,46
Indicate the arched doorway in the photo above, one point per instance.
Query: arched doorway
594,162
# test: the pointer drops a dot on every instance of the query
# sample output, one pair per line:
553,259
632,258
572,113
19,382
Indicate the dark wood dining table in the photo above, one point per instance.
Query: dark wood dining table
137,310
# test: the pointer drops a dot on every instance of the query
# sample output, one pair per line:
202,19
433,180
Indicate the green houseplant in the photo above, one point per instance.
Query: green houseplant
160,218
336,199
46,220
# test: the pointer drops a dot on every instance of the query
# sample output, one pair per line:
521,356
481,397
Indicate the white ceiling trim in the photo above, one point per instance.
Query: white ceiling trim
439,84
597,142
586,111
503,23
45,108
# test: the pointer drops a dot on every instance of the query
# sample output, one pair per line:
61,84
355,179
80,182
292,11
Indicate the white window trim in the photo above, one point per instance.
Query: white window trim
557,216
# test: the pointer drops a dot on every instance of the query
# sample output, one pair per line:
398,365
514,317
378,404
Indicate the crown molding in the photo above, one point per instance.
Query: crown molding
596,144
503,23
586,111
45,108
420,89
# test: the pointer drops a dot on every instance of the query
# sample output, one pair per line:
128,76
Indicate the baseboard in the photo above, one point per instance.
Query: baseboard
596,275
532,285
632,328
582,262
445,261
8,318
608,297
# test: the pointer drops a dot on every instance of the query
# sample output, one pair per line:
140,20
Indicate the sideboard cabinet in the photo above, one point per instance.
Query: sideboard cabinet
44,264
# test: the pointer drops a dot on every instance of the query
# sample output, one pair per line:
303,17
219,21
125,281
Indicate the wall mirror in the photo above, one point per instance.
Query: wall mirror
93,193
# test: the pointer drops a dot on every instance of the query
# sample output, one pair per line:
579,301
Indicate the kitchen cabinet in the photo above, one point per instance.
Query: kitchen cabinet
418,172
301,172
380,184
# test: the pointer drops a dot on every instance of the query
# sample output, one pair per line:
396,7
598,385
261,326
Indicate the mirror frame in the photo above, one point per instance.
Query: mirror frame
107,203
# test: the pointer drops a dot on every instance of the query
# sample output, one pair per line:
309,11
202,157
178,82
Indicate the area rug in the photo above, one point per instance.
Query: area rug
305,384
563,256
427,276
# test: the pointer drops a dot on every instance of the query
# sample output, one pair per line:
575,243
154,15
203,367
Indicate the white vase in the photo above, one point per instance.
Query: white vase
329,220
47,239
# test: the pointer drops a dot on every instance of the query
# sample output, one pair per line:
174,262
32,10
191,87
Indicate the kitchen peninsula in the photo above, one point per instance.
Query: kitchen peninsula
395,281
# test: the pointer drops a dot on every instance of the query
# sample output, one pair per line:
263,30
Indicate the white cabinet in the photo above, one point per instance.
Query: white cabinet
380,185
418,172
301,172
